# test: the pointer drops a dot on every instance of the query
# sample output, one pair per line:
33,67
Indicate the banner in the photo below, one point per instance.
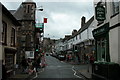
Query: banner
45,20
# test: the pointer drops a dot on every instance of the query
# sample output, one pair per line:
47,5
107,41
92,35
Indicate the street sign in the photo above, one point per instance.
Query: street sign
29,54
39,25
100,13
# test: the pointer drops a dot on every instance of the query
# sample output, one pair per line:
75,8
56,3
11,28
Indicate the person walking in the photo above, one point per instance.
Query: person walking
24,64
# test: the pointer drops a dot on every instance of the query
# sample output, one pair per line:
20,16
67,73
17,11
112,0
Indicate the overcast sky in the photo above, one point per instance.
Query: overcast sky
62,16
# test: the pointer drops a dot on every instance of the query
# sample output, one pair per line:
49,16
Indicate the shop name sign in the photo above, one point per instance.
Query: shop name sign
101,30
100,13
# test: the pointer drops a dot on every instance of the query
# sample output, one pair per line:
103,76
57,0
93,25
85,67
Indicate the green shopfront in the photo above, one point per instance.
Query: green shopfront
103,68
101,36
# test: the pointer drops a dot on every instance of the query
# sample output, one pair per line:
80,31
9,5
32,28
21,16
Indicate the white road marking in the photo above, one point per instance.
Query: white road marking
75,73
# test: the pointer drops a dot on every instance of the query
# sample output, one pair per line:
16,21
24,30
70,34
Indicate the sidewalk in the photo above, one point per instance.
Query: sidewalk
19,75
84,69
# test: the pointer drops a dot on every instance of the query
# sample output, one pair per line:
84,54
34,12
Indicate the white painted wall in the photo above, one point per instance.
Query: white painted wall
84,35
90,36
113,45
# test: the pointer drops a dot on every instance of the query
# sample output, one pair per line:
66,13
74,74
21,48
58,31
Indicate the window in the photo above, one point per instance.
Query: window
13,37
4,32
76,37
9,61
28,9
115,5
79,36
23,38
102,54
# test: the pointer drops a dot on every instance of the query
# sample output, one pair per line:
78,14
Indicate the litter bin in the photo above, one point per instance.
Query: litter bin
105,71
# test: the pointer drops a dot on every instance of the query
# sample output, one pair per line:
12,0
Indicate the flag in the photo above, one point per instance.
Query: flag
45,20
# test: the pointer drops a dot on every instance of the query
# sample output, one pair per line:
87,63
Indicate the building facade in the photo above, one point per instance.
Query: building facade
80,44
9,40
107,32
25,14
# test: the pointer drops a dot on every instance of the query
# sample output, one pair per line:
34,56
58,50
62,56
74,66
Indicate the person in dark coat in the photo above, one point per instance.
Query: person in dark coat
24,64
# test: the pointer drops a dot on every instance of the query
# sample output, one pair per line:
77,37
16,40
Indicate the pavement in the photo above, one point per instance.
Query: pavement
19,75
84,69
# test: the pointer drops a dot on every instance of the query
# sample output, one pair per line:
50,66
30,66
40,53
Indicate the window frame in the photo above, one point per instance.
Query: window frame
4,33
115,5
13,37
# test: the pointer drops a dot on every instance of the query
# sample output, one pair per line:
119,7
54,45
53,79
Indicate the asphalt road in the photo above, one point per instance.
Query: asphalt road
56,69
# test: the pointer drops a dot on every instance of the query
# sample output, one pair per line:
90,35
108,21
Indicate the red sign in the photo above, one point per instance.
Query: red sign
45,20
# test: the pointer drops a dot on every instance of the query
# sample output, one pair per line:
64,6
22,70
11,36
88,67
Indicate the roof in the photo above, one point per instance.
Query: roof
12,11
19,13
86,25
9,15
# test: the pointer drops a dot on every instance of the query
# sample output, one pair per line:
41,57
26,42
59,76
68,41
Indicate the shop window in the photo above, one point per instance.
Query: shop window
9,61
4,32
102,53
13,37
115,7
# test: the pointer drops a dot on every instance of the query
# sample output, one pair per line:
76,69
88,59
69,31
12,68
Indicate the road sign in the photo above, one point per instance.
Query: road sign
39,25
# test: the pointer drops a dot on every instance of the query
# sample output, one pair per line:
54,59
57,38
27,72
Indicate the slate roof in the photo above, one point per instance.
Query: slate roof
19,13
9,15
84,27
12,11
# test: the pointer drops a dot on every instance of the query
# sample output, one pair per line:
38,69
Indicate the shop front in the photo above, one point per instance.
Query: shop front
103,68
101,36
10,60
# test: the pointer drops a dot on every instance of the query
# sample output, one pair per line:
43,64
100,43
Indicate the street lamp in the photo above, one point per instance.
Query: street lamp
40,9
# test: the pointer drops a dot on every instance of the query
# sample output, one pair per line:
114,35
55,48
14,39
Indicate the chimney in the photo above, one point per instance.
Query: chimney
83,21
74,31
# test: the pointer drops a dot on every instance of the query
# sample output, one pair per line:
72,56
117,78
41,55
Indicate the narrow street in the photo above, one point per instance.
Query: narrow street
57,69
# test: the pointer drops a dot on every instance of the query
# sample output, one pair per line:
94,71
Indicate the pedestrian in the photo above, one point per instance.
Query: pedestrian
91,59
4,71
24,65
43,61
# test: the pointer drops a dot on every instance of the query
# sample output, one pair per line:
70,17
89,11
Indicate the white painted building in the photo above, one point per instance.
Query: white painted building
107,32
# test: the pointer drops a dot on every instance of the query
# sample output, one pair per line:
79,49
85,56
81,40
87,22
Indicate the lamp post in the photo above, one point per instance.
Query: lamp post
38,32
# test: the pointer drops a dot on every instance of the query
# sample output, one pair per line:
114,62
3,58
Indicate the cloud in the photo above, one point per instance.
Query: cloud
63,17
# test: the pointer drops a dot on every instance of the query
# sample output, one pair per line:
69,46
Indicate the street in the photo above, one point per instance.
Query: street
57,69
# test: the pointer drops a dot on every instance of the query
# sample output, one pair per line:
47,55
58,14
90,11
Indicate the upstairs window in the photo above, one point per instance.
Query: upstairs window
28,9
4,32
115,6
13,37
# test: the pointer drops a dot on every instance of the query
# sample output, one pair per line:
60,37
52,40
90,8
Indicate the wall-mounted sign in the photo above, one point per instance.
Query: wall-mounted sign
29,54
39,25
100,13
101,30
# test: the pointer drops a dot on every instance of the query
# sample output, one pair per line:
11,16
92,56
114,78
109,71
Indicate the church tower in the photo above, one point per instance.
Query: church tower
25,14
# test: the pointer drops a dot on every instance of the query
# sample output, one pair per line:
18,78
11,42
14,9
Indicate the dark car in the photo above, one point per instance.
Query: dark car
61,57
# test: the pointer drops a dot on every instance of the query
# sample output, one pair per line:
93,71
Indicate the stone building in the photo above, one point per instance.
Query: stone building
25,14
8,40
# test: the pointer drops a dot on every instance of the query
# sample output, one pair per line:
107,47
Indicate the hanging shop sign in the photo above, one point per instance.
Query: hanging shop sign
100,13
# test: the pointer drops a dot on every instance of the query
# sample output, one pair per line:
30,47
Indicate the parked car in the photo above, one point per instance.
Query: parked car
61,57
